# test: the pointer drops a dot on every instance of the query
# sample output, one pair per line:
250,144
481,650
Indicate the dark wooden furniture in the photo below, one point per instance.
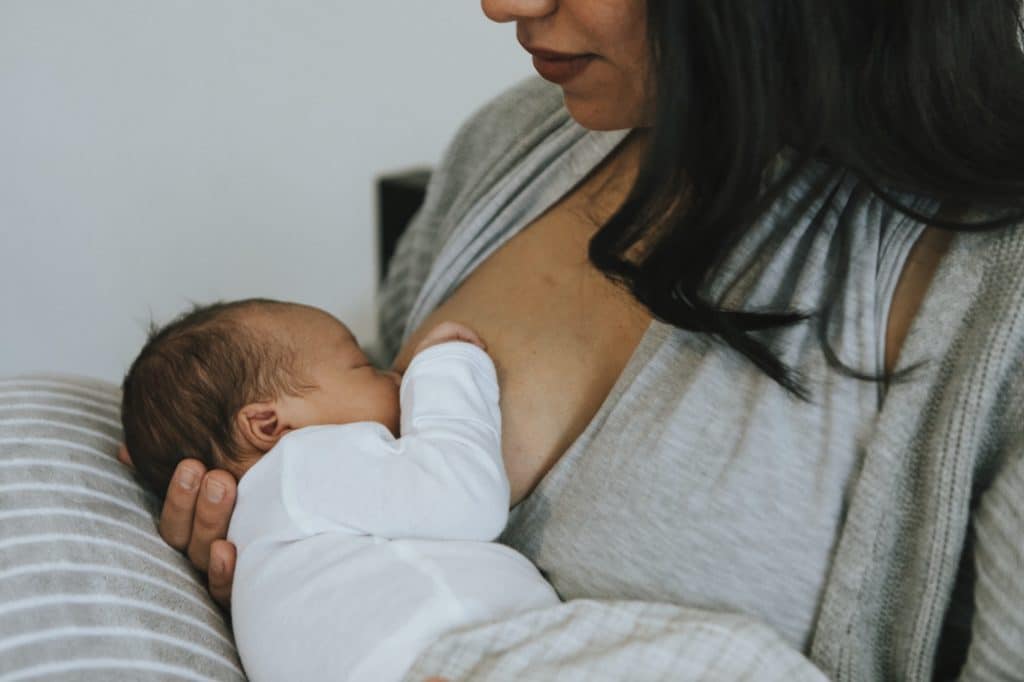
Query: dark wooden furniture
399,196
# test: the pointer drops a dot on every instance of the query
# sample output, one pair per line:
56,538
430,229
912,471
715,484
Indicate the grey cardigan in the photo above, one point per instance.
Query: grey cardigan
930,554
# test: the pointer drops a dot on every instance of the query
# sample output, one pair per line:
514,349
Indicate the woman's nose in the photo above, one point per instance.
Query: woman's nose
515,10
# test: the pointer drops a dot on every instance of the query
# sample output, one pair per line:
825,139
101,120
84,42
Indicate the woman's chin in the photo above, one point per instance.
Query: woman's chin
600,114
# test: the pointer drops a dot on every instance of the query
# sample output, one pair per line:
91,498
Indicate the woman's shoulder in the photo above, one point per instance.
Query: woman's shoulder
503,129
529,98
993,260
970,330
486,148
978,287
514,111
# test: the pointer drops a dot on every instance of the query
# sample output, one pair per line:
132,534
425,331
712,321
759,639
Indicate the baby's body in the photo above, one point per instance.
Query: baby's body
357,549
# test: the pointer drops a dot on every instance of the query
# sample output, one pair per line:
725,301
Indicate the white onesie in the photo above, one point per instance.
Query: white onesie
356,550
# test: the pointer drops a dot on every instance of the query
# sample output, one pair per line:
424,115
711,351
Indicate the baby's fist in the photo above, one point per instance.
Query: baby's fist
449,331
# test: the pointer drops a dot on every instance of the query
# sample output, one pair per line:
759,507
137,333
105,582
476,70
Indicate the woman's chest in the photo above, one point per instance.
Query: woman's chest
702,484
559,334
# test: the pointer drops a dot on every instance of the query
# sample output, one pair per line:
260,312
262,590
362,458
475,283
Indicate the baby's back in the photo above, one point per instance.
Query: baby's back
319,593
344,607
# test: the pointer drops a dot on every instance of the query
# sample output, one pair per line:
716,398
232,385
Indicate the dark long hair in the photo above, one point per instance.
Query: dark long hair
919,96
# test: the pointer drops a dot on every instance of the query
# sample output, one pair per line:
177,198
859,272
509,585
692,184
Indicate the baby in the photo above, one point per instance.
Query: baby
367,502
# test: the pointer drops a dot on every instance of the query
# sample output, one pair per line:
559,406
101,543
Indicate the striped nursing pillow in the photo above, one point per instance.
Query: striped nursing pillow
88,590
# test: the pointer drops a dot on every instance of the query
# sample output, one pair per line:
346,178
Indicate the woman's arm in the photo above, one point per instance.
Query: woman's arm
444,479
617,640
997,629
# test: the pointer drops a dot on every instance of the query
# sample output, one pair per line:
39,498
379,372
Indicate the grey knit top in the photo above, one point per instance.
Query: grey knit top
701,491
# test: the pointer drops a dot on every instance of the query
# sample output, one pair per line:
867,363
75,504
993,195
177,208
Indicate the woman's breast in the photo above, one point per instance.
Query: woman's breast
701,484
559,334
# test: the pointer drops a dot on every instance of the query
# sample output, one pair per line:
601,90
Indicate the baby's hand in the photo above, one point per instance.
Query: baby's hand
449,331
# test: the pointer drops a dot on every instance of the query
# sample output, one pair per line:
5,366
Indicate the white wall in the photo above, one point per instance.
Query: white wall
153,153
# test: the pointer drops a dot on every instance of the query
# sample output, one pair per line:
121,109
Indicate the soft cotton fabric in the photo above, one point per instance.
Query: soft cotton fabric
356,550
837,529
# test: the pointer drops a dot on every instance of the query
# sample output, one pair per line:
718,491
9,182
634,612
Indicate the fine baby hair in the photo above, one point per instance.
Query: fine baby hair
182,392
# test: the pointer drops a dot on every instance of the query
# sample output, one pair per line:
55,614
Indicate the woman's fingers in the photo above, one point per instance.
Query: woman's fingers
196,513
215,501
222,571
180,504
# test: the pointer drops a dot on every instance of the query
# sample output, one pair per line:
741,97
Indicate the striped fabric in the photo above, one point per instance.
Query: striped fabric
88,590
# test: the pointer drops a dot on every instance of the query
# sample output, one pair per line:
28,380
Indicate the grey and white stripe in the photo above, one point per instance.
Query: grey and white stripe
88,589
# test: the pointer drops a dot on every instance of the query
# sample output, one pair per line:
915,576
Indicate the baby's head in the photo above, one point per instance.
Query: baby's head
224,382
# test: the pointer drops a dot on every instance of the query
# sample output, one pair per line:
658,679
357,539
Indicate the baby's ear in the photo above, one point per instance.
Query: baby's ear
260,426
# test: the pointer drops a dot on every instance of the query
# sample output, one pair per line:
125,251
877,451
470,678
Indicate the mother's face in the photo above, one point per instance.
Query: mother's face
602,57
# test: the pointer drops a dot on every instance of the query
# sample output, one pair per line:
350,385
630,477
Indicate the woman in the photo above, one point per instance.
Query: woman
751,276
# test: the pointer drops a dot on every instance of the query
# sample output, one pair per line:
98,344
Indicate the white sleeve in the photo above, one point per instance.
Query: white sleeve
443,479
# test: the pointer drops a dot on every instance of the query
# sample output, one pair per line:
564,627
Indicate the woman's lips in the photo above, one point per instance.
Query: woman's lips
557,67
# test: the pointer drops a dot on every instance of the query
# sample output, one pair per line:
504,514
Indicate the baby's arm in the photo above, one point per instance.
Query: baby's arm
443,479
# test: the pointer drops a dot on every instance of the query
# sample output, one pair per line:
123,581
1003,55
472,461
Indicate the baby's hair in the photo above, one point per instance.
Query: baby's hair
182,393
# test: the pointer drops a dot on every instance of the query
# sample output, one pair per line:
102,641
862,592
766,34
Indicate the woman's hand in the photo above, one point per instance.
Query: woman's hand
195,517
194,520
449,331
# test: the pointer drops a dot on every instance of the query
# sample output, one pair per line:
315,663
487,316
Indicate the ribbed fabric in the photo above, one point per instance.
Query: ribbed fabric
88,590
997,645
